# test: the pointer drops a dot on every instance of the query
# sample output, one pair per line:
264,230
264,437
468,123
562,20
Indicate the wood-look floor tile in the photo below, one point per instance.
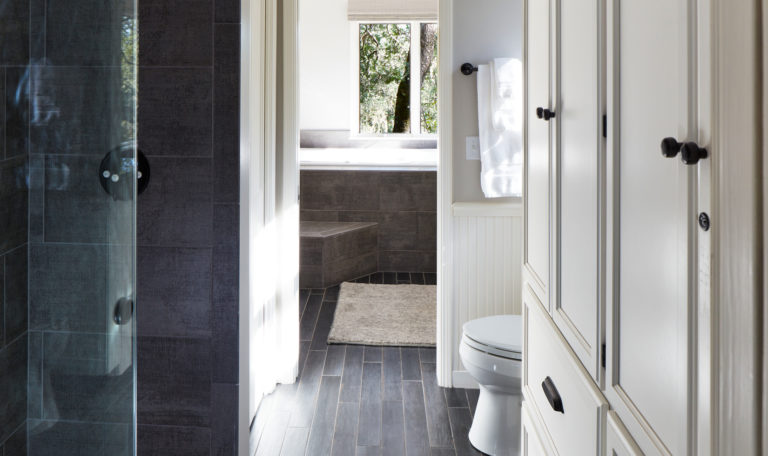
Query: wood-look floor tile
304,400
427,355
437,411
472,396
372,354
309,319
455,397
323,326
351,378
321,433
410,363
392,429
416,434
368,451
391,374
295,442
334,360
369,428
345,434
461,421
272,438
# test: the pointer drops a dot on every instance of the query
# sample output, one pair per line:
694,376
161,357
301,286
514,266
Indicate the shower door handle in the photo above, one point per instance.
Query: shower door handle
123,311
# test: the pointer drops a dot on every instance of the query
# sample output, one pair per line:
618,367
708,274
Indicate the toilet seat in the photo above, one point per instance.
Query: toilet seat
498,335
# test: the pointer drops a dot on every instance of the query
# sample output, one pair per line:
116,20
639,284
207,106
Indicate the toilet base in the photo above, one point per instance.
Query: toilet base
496,426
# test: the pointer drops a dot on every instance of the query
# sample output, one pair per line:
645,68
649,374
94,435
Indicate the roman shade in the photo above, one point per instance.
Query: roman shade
392,10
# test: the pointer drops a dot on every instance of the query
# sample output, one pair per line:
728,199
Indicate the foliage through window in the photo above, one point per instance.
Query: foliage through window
387,53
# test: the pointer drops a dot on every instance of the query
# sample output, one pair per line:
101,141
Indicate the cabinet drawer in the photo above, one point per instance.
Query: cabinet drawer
573,408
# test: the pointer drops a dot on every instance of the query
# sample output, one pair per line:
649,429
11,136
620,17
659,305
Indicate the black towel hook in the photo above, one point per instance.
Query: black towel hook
468,68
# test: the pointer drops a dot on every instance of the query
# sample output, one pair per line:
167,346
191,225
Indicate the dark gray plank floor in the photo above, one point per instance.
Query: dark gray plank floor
353,400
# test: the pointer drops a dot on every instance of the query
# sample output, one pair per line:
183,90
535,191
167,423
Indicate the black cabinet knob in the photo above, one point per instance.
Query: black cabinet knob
543,113
691,153
670,147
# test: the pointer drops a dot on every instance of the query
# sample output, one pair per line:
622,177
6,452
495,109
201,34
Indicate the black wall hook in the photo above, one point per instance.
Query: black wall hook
468,68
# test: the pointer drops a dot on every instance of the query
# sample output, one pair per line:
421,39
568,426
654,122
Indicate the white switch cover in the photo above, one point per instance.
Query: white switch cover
473,148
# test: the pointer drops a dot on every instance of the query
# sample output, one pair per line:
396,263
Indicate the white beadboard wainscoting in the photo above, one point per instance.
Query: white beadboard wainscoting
487,268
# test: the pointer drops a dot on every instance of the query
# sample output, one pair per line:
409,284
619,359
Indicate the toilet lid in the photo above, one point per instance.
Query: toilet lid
499,331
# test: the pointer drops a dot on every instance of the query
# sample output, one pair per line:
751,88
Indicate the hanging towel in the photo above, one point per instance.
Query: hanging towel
501,151
506,93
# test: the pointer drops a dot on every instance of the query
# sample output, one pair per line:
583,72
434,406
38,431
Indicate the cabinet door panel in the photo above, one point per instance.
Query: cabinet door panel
580,147
618,441
537,163
648,312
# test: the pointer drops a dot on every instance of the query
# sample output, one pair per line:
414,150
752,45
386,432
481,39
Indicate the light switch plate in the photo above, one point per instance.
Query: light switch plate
473,148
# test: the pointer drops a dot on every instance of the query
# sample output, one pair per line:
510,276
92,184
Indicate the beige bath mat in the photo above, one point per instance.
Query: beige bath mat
371,314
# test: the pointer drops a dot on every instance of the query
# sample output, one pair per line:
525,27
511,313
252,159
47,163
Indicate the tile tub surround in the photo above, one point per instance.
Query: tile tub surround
332,252
356,399
403,203
188,227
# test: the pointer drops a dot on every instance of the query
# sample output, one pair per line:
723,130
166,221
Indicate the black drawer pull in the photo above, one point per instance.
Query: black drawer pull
552,395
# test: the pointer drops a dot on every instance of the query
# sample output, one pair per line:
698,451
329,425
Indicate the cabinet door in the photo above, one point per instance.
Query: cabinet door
537,160
579,163
651,66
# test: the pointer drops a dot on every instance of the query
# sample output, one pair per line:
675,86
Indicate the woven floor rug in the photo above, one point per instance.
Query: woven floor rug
397,315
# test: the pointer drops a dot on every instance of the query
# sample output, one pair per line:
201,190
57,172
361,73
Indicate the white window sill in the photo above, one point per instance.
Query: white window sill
369,159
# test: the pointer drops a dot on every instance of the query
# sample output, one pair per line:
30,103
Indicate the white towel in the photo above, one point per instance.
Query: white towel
501,151
506,93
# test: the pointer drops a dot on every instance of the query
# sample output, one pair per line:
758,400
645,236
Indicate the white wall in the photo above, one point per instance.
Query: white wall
483,30
324,65
487,271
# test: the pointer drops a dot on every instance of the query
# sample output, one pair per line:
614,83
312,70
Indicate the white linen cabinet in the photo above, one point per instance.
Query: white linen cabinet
616,173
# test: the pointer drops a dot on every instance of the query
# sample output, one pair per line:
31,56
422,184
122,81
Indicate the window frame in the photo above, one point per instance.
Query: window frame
415,112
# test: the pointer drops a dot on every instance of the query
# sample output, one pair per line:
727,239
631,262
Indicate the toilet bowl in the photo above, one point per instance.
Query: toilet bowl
491,351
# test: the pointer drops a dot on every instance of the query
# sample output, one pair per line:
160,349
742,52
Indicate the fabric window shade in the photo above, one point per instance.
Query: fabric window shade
392,10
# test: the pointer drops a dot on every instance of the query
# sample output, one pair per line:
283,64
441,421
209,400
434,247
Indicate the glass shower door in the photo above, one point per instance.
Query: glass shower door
79,90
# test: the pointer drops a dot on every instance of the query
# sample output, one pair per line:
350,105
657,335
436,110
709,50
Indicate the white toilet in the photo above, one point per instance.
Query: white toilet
491,351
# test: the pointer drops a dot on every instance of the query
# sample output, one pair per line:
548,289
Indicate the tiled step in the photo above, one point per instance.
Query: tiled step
332,252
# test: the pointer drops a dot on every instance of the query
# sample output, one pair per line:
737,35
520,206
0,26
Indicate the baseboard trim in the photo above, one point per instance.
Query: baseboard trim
462,379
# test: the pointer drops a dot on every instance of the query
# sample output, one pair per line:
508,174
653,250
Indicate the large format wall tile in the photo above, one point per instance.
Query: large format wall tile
226,113
77,110
13,387
69,292
84,32
173,441
176,32
78,439
176,208
174,291
403,203
16,293
13,203
14,32
225,298
174,381
175,112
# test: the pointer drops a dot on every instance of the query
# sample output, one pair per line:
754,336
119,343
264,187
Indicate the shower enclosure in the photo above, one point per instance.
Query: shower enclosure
68,173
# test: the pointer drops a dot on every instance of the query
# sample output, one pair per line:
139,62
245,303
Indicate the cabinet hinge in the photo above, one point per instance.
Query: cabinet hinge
605,126
602,355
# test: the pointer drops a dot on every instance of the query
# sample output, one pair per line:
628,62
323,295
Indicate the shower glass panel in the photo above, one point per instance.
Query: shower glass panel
67,227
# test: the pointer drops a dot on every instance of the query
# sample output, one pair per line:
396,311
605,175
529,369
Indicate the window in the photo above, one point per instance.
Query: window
390,100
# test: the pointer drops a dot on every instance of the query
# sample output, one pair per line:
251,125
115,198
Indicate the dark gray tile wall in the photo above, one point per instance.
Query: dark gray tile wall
187,233
403,203
76,87
14,214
